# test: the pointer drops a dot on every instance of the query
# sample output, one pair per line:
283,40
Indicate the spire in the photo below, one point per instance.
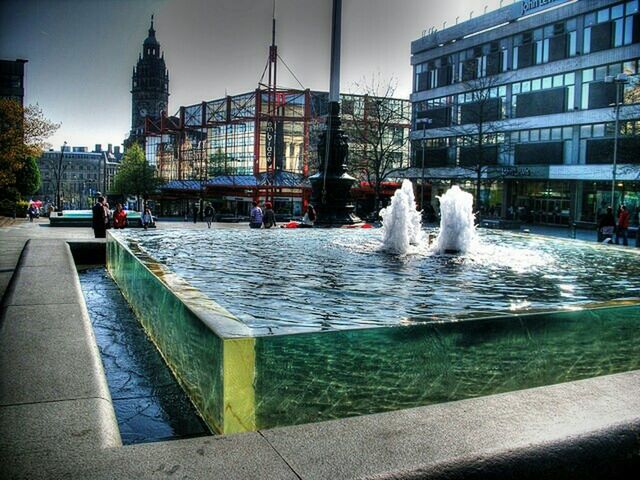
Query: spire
151,39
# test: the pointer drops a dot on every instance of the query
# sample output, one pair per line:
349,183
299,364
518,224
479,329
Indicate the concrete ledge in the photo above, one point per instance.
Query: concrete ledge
53,392
590,426
240,457
48,353
57,428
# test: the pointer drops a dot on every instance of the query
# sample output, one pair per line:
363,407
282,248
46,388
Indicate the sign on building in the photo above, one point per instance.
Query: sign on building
269,143
533,6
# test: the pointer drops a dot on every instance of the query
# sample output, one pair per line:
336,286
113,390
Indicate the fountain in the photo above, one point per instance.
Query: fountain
401,222
296,329
457,229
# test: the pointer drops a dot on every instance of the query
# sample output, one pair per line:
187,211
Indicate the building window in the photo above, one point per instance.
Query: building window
543,96
611,27
597,140
433,74
596,93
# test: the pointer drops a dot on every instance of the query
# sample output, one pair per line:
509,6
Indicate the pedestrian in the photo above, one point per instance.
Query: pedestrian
147,218
31,212
269,219
107,215
606,225
309,217
623,225
98,220
209,213
196,211
255,216
119,217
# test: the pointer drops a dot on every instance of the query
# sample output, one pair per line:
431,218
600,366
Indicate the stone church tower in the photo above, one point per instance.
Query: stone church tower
149,87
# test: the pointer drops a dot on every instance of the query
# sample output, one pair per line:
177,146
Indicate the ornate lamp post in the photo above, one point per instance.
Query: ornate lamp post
59,178
332,184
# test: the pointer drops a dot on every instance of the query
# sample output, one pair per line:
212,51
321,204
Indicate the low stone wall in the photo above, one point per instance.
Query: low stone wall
53,394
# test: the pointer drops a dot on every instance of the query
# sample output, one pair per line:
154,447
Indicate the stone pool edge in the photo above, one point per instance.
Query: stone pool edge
589,427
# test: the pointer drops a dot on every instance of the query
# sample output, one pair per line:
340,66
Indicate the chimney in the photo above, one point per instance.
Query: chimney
98,148
109,148
116,150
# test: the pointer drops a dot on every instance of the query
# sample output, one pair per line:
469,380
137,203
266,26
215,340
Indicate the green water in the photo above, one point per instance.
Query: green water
311,377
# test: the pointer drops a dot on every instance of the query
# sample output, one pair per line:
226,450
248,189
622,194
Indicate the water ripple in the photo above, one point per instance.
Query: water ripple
288,280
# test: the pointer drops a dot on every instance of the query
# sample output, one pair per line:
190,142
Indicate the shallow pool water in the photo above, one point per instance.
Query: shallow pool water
148,402
283,281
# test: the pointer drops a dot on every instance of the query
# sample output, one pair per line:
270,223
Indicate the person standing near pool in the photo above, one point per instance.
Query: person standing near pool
623,225
255,217
119,217
98,220
209,212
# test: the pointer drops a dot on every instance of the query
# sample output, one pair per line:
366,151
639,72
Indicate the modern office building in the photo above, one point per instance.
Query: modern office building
263,145
526,98
83,174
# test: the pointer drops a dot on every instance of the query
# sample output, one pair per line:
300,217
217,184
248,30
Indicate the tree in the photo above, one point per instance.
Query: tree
23,134
479,129
377,125
135,175
28,181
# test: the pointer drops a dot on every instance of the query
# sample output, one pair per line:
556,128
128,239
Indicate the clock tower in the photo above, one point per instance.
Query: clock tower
149,86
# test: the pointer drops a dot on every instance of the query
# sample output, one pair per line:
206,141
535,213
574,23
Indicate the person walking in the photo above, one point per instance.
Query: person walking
119,217
623,225
269,219
209,213
32,212
255,216
98,219
606,225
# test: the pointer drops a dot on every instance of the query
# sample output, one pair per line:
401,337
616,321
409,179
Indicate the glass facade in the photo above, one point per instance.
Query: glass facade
553,125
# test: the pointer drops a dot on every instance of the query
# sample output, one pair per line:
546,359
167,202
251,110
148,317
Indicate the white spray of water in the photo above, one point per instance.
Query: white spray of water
457,229
401,222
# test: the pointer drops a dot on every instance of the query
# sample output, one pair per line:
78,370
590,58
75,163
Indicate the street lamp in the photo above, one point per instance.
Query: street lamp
59,177
619,80
422,180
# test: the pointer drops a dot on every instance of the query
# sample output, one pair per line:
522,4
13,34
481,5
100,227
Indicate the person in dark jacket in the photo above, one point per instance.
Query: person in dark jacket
606,225
269,218
99,220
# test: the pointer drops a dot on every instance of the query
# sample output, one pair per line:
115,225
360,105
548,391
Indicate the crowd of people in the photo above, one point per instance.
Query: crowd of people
103,218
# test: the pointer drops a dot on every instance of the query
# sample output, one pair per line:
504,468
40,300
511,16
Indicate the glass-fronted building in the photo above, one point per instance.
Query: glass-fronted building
524,101
257,146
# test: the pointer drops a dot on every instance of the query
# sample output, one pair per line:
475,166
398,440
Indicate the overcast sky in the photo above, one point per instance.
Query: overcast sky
81,52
